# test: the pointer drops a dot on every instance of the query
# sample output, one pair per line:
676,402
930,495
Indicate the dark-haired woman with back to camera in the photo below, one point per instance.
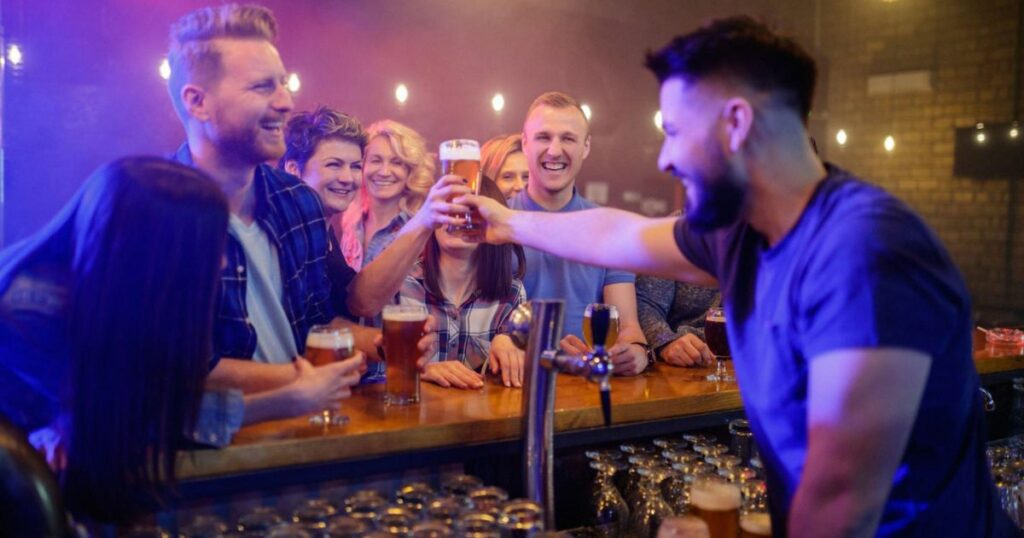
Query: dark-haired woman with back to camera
106,320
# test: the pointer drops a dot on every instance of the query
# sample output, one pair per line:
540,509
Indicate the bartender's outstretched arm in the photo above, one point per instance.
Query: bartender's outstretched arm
606,237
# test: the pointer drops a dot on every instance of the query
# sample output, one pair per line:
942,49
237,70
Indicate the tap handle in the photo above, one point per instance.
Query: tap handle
600,323
606,401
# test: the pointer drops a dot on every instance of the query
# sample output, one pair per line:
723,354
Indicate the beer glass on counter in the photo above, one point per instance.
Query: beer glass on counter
613,325
326,344
461,157
718,343
403,328
717,502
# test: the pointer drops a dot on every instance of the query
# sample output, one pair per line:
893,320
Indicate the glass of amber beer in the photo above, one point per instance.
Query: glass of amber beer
718,342
613,324
403,328
461,157
326,344
717,502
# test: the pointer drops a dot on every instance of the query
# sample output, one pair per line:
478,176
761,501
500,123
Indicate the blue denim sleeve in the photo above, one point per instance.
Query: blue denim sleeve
220,417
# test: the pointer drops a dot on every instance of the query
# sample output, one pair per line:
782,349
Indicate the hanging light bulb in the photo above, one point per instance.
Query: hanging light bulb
164,69
889,144
841,137
401,93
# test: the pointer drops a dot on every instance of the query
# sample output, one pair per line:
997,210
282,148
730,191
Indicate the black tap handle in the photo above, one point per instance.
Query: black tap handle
600,323
606,405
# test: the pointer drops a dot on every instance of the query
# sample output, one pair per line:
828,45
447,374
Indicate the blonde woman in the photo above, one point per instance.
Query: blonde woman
397,174
503,160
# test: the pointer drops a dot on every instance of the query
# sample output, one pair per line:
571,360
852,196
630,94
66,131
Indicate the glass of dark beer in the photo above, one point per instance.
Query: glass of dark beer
326,344
403,328
718,343
461,157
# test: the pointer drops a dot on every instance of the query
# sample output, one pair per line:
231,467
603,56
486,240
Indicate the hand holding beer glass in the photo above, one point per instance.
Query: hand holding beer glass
461,157
326,344
718,343
403,328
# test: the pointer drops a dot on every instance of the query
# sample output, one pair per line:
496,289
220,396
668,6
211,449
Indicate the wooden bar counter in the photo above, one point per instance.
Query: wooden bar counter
448,419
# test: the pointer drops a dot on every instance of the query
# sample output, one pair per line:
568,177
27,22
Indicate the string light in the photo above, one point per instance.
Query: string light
889,144
164,69
657,120
841,137
586,111
401,93
498,102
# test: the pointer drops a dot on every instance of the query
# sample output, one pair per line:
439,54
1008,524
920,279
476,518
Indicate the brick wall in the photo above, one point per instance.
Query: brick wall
967,48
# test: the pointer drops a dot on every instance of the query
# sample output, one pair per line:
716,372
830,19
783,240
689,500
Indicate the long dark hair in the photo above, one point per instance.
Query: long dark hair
143,241
493,262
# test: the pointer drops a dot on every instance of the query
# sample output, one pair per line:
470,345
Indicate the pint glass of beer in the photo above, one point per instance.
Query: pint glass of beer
403,328
326,344
717,502
718,342
755,525
613,324
461,157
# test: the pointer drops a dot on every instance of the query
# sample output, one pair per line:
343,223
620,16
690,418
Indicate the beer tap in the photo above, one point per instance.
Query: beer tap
536,327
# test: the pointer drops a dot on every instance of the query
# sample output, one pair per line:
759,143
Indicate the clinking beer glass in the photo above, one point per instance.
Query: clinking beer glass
461,157
326,344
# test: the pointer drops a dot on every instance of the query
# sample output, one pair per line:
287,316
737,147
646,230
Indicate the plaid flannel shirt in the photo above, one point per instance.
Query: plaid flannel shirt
292,217
464,333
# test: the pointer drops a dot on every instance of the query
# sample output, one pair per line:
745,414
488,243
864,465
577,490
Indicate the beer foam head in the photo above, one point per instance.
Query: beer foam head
335,340
713,495
399,313
459,150
757,523
683,527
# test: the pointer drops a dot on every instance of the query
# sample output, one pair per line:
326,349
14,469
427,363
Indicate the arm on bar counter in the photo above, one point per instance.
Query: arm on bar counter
862,404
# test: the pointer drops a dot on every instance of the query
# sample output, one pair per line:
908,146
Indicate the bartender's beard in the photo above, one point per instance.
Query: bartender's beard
716,194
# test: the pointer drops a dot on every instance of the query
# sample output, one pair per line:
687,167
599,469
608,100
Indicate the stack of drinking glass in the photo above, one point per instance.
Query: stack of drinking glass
463,507
1006,458
674,484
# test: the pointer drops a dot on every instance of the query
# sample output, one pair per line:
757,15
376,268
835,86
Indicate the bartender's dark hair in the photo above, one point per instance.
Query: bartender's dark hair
141,246
741,49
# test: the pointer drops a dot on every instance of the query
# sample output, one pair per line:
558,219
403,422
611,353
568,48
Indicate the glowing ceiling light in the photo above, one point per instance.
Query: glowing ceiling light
841,137
498,102
890,143
14,55
164,69
294,83
657,119
401,93
980,137
586,110
1014,132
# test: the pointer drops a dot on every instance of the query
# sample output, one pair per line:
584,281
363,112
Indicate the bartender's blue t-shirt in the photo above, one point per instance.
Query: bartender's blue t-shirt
859,269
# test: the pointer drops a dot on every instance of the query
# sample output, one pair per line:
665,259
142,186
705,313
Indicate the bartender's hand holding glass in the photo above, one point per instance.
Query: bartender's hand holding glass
507,359
687,350
496,215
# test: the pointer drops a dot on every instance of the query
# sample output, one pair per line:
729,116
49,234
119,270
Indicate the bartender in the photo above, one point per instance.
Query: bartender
849,323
